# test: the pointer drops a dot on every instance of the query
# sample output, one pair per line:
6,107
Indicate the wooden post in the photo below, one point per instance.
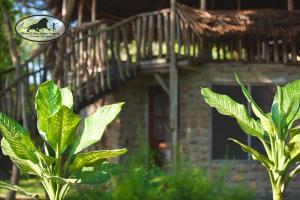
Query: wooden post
173,84
203,4
290,4
80,12
239,4
58,71
94,7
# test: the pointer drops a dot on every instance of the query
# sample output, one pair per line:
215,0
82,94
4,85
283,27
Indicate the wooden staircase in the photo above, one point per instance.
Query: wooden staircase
102,56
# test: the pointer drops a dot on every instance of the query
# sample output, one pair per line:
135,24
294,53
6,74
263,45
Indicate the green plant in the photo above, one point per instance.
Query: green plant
276,130
149,182
59,163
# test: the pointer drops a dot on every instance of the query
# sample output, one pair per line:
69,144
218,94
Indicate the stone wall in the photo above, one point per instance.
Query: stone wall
130,129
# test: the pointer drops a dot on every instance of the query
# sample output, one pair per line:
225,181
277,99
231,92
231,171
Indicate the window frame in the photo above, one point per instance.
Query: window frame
249,88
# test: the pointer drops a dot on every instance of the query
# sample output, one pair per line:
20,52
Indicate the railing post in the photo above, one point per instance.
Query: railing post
290,4
173,87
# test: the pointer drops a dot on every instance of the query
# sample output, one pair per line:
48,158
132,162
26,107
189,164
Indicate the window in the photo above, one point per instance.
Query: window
224,127
159,136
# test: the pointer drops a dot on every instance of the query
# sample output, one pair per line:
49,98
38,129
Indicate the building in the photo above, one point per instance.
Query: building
129,60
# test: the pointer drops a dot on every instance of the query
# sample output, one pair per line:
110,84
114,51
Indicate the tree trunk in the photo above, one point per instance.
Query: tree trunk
16,63
14,180
67,11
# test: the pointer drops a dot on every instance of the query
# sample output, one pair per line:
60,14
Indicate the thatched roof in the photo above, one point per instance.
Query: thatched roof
269,22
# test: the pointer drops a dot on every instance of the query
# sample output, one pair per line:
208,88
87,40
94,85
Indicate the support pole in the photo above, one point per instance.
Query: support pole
80,12
290,4
94,6
203,4
239,4
173,84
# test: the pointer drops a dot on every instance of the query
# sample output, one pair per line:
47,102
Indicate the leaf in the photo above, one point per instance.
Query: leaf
294,148
67,97
63,180
18,138
294,131
17,189
226,106
61,128
255,154
48,160
111,168
48,100
265,122
25,165
93,158
93,176
290,94
279,119
95,125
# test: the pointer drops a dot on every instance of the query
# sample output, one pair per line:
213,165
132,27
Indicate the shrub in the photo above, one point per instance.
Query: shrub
277,131
59,163
145,181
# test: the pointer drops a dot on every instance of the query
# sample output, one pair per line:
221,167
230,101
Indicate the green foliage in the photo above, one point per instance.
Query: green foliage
60,164
148,182
17,189
276,130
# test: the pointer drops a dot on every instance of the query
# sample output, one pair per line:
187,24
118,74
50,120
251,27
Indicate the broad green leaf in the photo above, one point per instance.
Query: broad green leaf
255,154
226,106
67,97
48,100
25,165
111,168
93,175
48,160
93,158
294,131
18,138
95,125
63,180
61,128
279,119
265,121
294,148
17,189
290,94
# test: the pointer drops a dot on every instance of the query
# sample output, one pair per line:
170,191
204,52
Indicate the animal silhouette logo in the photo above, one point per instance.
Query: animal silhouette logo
43,23
40,28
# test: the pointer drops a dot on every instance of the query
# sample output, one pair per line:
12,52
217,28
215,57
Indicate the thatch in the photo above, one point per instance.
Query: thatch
268,22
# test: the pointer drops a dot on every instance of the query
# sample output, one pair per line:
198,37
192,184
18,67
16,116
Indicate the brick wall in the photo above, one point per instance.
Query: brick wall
130,129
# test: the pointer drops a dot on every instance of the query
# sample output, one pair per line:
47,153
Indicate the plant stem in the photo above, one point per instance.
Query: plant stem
276,190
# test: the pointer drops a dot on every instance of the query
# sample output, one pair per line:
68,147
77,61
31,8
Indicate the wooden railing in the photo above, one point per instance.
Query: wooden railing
33,73
102,56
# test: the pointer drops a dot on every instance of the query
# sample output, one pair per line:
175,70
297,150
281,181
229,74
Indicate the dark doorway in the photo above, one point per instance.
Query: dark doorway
159,135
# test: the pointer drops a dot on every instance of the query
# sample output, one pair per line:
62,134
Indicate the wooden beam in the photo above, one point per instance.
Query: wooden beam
64,8
80,12
93,13
173,84
290,4
162,83
203,4
239,4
